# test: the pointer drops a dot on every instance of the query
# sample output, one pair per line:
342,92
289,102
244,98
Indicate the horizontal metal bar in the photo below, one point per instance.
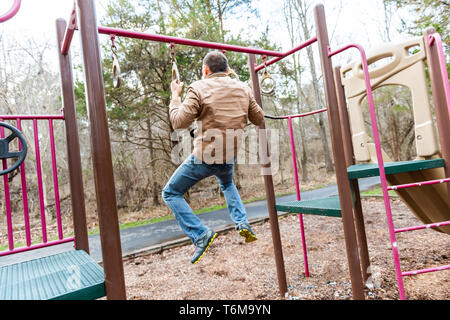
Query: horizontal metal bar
31,117
70,30
424,226
37,246
414,272
418,184
288,53
295,115
186,42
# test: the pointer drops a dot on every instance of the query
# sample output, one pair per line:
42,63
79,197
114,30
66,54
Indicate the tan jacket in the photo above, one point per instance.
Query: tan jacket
222,107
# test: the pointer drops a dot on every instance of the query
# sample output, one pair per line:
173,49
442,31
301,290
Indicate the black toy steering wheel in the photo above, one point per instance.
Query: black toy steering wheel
4,148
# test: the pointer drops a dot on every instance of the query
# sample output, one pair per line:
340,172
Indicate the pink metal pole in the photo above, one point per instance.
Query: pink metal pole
40,185
288,53
23,179
186,42
7,198
55,179
32,117
424,226
418,184
297,189
383,179
436,39
294,158
37,246
414,272
12,12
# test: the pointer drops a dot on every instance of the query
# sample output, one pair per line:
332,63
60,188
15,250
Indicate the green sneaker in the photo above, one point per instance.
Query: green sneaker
202,245
246,232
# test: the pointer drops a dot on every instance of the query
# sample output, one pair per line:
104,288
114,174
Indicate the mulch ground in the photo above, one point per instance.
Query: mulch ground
232,269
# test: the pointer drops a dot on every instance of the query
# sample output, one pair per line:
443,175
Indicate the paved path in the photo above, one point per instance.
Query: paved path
154,237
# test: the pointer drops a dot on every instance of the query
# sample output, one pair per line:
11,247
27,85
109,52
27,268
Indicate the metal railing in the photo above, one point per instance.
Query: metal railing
44,240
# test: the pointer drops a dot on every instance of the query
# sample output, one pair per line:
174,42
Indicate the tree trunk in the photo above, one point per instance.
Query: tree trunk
153,178
322,128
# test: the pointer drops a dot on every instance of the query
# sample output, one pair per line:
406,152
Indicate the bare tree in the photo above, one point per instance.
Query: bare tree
297,73
302,9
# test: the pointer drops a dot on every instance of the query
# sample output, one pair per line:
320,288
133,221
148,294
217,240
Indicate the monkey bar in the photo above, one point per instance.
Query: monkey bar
181,41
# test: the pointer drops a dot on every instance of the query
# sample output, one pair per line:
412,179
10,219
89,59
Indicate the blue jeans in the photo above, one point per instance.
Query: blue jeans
187,175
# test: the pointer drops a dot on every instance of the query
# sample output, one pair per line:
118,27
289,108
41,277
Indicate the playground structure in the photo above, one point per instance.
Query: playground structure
49,278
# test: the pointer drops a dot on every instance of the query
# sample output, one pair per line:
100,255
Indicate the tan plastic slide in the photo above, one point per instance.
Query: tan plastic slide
405,67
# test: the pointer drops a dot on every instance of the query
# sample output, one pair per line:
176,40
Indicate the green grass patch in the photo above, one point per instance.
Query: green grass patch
209,209
377,192
145,222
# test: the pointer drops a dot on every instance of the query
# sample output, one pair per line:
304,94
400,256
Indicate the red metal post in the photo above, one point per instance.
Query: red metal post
73,144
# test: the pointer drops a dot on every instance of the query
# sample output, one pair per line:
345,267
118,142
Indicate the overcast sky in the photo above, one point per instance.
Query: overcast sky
359,21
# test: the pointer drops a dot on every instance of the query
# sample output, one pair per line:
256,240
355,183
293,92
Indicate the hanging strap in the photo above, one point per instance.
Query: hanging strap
115,63
267,83
175,73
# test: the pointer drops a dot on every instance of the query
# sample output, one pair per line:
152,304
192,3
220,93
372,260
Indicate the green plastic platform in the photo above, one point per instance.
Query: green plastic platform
371,170
331,206
71,275
322,207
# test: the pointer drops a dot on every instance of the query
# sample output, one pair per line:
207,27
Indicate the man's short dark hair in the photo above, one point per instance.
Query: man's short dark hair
216,61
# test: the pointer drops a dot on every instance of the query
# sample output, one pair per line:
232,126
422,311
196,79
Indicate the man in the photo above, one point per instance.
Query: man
221,106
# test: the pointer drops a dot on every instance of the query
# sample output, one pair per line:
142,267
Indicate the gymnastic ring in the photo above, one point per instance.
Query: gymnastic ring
116,71
12,12
267,84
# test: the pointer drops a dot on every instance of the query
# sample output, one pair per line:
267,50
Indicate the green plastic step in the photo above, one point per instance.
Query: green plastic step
322,207
71,275
371,170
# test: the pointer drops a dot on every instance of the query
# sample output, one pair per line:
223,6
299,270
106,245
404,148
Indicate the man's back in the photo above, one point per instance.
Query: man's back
222,107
